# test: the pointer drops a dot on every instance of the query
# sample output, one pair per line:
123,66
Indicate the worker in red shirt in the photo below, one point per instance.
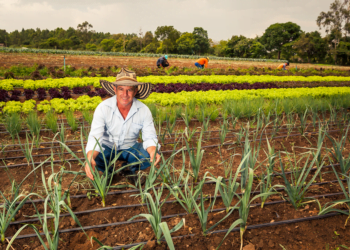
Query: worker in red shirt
202,63
283,66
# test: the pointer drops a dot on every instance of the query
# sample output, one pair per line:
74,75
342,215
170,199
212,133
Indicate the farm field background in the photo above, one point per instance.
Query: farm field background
257,157
29,59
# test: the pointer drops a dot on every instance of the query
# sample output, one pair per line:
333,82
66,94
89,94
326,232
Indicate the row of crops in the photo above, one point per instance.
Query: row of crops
268,96
251,177
98,53
10,84
233,162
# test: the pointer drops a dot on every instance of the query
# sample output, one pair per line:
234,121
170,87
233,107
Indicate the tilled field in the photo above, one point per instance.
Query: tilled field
50,60
111,226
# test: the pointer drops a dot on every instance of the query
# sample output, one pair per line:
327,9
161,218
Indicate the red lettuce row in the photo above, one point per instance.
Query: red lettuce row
63,92
178,87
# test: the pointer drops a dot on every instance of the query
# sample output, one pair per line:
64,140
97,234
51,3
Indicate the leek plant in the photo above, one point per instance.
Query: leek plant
161,134
62,139
34,125
72,122
318,157
88,116
51,121
239,135
223,133
267,176
233,122
189,134
331,208
227,189
206,123
170,123
196,158
200,115
187,117
101,183
13,125
9,210
214,113
169,172
154,217
27,148
228,164
178,112
190,193
252,157
203,214
298,187
160,118
13,203
337,152
245,202
154,173
55,202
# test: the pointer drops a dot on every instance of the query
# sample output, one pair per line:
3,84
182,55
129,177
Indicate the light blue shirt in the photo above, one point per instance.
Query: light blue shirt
110,129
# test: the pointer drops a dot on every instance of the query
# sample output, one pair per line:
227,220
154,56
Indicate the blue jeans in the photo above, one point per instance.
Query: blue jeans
199,65
132,155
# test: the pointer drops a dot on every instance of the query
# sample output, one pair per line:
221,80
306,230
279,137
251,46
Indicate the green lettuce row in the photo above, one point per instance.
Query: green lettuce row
72,82
182,98
98,53
58,104
218,97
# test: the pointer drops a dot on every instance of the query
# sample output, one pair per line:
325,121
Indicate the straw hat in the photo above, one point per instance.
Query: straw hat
128,78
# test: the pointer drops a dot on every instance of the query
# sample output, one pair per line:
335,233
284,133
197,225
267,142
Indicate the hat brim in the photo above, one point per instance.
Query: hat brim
144,89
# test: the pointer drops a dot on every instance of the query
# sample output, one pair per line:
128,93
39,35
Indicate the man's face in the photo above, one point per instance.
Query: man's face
125,94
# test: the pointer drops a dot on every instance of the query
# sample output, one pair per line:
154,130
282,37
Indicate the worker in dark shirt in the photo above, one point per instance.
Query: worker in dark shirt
162,62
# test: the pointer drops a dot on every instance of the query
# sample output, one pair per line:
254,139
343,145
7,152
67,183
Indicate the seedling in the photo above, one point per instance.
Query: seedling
154,217
196,158
13,125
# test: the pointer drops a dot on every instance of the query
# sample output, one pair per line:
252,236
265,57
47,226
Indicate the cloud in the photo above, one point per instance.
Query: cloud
221,18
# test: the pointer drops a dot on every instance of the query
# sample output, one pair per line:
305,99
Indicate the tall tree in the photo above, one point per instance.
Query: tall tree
148,38
4,37
84,29
279,34
168,35
186,43
230,47
311,46
336,21
200,36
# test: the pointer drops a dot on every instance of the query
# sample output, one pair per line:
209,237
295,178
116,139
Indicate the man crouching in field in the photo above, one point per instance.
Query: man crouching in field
116,125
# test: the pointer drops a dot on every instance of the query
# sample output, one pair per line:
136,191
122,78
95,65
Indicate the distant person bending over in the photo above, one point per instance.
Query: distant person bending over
162,62
116,125
202,63
283,66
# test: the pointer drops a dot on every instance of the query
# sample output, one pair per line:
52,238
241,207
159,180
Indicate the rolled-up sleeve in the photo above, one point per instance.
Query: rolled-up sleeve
97,130
149,135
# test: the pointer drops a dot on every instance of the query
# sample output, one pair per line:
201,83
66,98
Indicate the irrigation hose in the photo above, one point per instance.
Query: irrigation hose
140,205
166,143
283,222
211,131
163,217
169,151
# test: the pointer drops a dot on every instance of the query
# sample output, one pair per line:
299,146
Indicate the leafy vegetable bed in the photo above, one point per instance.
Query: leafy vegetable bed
69,82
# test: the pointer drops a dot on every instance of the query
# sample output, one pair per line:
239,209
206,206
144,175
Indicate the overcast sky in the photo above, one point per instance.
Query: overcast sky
221,18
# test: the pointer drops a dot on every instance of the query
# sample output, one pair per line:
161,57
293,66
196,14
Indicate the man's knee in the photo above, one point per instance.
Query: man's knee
141,152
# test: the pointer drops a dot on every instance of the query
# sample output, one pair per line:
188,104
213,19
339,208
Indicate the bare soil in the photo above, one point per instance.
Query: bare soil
10,59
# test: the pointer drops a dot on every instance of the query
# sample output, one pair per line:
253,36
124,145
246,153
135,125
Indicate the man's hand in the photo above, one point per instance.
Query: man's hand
91,158
152,151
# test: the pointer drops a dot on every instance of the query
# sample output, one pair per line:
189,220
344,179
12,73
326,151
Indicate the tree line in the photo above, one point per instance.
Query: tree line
280,40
